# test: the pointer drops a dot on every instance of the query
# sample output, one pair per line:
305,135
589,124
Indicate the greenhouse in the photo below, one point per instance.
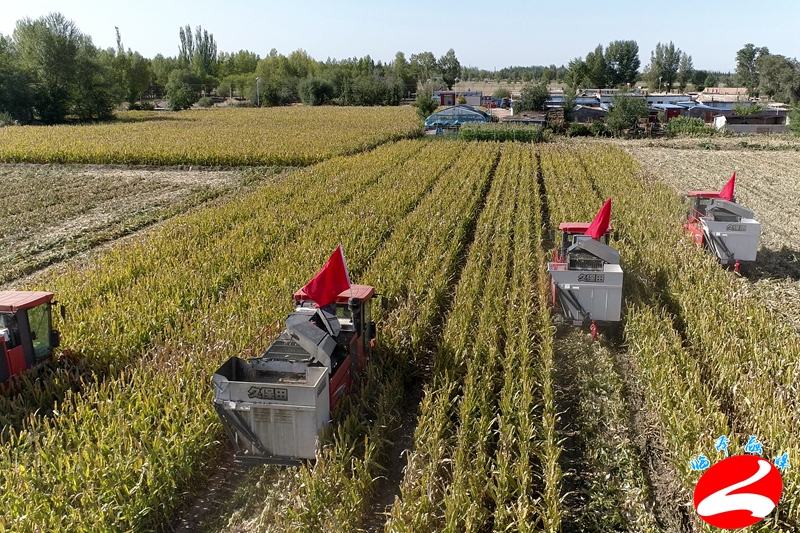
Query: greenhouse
453,117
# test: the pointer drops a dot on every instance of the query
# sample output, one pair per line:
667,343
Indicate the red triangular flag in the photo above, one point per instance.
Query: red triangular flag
330,281
727,191
599,225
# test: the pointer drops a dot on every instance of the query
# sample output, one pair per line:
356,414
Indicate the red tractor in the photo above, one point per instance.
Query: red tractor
726,228
27,337
274,403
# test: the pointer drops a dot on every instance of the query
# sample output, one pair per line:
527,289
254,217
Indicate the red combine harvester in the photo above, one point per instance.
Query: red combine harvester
717,222
27,337
274,404
586,276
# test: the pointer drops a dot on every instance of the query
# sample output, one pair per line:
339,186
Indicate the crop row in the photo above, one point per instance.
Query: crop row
414,268
484,448
295,136
121,453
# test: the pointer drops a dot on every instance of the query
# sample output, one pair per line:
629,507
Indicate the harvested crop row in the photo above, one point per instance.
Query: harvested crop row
153,445
611,490
286,136
51,213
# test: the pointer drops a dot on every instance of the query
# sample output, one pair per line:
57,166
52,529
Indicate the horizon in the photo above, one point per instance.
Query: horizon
355,28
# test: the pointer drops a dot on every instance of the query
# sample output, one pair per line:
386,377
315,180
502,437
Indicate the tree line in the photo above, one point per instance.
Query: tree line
50,72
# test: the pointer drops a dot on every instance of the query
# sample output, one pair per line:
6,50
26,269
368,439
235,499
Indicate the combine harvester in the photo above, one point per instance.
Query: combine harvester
274,404
27,337
726,228
585,274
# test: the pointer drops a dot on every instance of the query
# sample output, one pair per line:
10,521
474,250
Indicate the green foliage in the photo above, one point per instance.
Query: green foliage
578,130
205,101
597,69
746,69
778,77
685,71
689,127
794,119
450,68
625,113
181,89
501,92
598,129
315,91
502,132
622,59
6,119
749,109
461,99
532,97
664,64
425,103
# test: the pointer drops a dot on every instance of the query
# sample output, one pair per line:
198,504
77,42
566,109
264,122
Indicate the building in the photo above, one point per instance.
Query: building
452,118
724,97
448,98
767,121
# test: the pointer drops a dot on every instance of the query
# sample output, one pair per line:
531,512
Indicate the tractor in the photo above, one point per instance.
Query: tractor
586,276
274,403
727,229
27,337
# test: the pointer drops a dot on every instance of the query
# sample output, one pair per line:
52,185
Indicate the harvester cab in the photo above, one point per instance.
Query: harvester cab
586,278
274,403
726,228
27,337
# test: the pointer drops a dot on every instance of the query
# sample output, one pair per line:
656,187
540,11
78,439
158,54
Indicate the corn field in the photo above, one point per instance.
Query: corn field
294,136
520,426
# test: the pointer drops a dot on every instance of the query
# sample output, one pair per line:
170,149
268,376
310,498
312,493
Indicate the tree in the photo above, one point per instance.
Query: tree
48,50
404,73
424,65
779,77
622,58
746,69
663,68
15,94
576,75
182,89
501,92
425,103
685,71
711,80
97,94
315,91
532,97
597,72
450,68
186,51
794,119
625,112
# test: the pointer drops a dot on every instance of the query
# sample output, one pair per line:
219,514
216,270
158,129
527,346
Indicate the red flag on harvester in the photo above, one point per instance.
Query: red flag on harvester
727,191
599,225
331,280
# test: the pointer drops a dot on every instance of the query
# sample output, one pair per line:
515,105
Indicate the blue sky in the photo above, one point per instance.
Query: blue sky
484,34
